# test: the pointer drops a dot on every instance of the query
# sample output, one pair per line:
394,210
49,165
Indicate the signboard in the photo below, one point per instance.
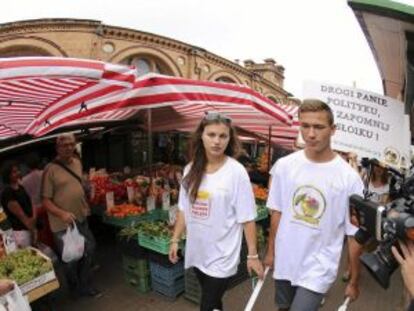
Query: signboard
369,124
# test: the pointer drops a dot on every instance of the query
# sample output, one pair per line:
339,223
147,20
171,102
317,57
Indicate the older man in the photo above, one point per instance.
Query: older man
65,202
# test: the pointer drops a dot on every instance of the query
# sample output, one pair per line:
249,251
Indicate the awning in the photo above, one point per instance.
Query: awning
38,93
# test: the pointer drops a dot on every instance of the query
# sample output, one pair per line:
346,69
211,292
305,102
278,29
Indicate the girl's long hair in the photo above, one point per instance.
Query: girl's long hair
192,180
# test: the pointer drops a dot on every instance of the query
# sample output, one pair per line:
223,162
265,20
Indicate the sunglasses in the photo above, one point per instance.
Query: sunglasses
216,116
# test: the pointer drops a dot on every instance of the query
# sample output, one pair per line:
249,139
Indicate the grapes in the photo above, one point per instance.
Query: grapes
23,266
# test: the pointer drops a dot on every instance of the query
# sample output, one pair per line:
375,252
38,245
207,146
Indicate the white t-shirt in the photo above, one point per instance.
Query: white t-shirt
313,200
214,222
378,192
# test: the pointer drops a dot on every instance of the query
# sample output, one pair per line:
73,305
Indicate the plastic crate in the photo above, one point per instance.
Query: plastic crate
140,283
192,286
125,221
157,244
160,259
158,214
166,276
130,247
171,291
139,267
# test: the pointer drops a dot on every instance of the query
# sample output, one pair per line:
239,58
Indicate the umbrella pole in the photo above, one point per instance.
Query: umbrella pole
149,115
269,144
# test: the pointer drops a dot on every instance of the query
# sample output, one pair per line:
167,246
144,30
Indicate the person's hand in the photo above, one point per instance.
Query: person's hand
31,223
5,286
268,260
407,264
68,217
256,266
352,291
173,252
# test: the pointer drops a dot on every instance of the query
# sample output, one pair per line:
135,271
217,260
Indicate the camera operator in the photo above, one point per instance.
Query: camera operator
406,260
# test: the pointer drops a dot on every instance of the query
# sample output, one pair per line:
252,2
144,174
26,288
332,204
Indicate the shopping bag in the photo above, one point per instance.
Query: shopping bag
16,301
256,291
73,244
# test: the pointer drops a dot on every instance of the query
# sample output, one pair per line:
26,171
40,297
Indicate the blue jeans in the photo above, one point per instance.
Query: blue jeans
78,273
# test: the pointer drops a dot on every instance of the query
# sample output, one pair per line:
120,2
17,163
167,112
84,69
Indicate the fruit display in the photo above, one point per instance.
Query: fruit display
125,210
263,161
158,229
260,194
23,266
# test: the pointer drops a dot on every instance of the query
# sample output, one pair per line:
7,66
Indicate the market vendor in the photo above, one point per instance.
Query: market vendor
17,206
65,201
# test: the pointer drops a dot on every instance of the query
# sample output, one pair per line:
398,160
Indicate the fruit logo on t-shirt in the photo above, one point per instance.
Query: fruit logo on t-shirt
308,204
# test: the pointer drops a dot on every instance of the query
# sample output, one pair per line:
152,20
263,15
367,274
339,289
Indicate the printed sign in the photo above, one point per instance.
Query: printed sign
369,124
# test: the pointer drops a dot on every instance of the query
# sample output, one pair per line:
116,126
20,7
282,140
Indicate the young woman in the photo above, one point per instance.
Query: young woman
216,203
379,185
18,207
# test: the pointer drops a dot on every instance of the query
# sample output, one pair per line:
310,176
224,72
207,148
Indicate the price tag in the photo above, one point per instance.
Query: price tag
150,203
166,200
131,194
172,214
109,200
9,241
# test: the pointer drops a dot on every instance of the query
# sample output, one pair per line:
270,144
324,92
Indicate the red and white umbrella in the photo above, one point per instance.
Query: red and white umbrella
179,104
40,93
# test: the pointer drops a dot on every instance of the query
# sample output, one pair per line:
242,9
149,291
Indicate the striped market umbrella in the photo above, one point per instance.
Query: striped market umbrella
40,94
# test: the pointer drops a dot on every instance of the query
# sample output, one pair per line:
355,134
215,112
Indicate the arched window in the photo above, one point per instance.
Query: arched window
146,64
273,99
225,79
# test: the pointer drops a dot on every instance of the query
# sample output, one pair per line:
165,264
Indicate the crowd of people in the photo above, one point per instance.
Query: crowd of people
308,203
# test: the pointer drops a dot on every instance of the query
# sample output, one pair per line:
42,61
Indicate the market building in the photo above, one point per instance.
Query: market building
92,39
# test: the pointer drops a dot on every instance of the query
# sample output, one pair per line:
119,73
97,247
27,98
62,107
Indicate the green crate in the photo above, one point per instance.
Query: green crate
140,283
139,267
125,221
158,214
157,244
262,213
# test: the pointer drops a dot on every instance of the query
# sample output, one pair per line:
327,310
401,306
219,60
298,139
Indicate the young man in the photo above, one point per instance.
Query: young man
308,197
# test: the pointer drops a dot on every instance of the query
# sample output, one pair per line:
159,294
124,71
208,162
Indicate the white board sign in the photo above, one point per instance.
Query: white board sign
369,124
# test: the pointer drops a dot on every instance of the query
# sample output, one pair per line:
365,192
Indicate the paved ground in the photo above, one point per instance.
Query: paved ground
119,296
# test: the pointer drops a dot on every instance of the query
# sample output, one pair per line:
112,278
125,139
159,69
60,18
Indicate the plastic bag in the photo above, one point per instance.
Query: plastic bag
16,301
73,244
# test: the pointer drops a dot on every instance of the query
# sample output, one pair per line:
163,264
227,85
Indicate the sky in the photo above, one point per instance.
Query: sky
317,40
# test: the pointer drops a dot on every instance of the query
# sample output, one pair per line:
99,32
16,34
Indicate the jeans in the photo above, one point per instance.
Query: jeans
212,291
78,273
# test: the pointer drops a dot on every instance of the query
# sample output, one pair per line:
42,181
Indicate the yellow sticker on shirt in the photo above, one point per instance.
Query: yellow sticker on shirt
201,207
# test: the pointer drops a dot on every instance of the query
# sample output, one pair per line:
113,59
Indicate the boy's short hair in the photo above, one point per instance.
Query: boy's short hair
315,105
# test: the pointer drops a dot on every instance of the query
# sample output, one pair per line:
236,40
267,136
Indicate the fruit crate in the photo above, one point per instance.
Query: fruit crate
166,276
140,283
158,244
192,286
170,291
161,259
125,221
262,212
136,266
130,247
158,214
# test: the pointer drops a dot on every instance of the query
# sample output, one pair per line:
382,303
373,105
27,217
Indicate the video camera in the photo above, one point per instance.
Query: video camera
385,223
